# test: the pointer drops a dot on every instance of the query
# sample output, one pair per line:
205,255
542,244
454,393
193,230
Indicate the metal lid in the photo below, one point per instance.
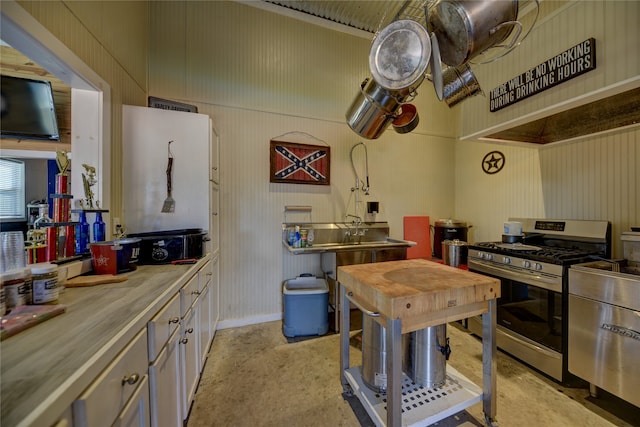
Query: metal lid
43,268
400,54
450,223
454,242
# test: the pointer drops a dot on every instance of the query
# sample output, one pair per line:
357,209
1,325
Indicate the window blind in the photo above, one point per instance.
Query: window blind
12,191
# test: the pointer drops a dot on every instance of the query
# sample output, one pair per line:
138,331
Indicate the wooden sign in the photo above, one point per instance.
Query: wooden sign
300,163
166,104
569,64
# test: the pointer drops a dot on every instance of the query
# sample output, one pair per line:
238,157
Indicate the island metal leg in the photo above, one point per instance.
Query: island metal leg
394,372
489,371
344,338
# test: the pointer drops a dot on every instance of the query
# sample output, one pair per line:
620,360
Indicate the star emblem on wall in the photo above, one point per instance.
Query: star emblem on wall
493,162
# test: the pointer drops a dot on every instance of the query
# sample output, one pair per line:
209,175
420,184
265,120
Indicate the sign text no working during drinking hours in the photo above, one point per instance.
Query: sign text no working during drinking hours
569,64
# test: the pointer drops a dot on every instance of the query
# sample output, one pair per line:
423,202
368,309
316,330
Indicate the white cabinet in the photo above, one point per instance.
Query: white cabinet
136,412
204,324
102,403
189,355
65,420
214,294
165,369
165,385
162,326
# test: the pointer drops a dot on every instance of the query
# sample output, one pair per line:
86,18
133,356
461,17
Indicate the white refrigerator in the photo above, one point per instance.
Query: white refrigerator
145,153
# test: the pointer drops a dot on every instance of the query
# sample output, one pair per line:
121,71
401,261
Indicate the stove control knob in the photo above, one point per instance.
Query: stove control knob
489,257
506,260
537,266
526,264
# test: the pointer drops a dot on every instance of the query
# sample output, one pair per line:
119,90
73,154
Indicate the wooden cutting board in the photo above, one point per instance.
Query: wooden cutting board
417,229
92,280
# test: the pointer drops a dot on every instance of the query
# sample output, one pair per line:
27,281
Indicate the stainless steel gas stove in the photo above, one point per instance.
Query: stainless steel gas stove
532,311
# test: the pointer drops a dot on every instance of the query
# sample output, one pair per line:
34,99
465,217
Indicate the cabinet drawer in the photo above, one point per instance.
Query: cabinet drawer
204,276
188,295
102,402
162,326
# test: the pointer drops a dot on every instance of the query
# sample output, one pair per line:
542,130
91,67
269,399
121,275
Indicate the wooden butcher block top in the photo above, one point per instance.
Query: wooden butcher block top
420,292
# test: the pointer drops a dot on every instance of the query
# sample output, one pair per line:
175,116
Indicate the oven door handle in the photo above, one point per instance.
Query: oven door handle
529,279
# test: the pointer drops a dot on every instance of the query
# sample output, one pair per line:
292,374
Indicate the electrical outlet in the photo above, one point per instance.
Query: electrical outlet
117,226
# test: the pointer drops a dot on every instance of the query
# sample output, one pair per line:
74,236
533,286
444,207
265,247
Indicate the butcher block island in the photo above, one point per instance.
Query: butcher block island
409,295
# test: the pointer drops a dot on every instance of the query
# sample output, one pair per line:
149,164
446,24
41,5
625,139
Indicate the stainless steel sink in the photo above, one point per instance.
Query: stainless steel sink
349,246
335,237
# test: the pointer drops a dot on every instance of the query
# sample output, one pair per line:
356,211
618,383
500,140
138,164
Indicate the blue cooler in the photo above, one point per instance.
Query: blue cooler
306,304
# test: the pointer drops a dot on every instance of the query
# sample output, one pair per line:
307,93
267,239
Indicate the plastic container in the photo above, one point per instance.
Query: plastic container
116,256
306,305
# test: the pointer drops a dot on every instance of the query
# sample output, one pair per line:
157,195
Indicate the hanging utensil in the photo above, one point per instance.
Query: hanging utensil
436,67
169,204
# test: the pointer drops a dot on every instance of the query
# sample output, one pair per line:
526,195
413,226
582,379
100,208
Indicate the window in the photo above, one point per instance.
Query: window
12,207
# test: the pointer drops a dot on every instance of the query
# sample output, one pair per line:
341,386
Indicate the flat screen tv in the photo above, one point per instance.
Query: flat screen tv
27,110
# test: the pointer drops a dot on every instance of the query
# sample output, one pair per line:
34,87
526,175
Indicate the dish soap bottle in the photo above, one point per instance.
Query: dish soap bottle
98,228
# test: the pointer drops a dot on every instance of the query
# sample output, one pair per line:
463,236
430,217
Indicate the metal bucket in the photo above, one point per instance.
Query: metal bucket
425,354
466,28
454,252
374,355
459,84
373,108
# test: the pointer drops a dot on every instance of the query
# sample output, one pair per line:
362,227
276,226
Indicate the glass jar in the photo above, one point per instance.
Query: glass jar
45,283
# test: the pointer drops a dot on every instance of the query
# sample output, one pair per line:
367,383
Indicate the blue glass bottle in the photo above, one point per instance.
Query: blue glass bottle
98,228
82,235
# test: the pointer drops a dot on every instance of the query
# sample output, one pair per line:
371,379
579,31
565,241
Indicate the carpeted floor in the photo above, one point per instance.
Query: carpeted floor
254,377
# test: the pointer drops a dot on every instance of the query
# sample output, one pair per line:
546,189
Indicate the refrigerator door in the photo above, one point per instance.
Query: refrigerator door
146,134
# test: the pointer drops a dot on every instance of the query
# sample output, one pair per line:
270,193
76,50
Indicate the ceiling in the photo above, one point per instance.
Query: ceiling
365,15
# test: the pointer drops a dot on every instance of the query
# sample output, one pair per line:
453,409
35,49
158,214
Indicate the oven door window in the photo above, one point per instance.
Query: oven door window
533,312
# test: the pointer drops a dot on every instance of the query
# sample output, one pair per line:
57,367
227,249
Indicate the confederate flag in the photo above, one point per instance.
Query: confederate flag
299,163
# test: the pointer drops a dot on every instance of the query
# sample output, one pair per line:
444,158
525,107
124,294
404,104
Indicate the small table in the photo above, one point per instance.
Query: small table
405,296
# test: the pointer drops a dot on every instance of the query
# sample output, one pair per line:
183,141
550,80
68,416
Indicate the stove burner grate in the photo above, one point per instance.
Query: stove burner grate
550,254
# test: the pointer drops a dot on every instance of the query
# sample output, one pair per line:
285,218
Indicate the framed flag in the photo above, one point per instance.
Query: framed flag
295,163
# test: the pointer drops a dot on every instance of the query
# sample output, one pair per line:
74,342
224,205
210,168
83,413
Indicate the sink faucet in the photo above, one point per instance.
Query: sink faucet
359,232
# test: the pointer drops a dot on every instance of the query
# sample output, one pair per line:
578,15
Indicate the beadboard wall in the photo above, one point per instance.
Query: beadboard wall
613,24
263,76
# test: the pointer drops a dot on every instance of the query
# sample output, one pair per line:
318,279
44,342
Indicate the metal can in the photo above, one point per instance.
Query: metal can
44,283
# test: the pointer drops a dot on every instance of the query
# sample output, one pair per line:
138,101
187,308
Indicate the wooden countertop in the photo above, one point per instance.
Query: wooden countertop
420,292
45,368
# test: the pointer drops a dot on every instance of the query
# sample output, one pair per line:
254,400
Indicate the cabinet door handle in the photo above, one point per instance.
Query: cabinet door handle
184,340
196,292
189,331
174,320
130,379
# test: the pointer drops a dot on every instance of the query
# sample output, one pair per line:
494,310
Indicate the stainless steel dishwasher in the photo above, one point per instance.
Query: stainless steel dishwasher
604,328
